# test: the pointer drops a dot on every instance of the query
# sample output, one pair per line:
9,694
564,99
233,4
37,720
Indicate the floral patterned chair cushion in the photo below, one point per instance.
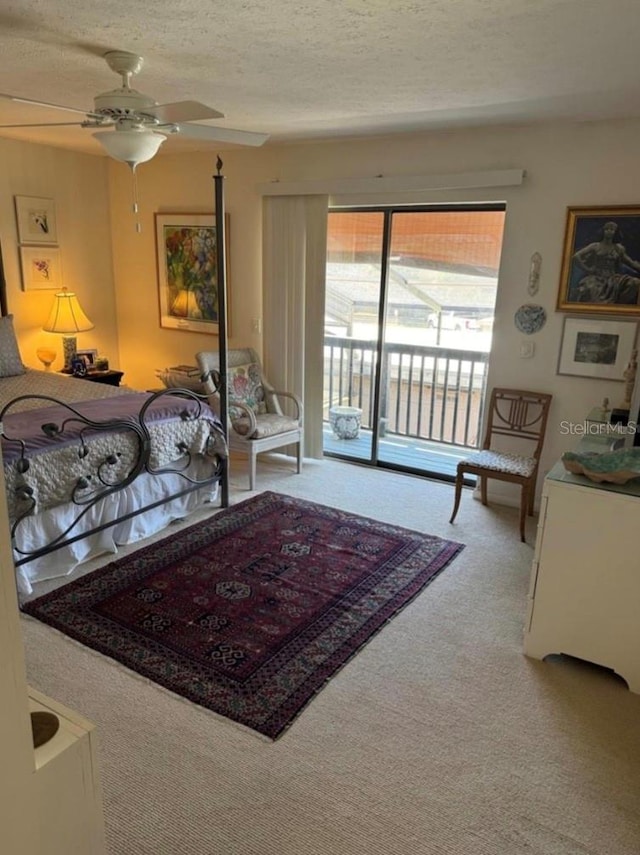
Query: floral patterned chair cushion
269,424
516,464
244,384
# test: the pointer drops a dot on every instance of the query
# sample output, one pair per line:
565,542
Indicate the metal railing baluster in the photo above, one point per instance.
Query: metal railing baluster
435,375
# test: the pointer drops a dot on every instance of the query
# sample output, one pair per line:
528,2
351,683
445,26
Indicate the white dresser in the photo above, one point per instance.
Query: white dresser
585,580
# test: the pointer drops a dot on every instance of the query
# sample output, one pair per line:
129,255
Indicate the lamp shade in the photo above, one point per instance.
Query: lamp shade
132,146
66,315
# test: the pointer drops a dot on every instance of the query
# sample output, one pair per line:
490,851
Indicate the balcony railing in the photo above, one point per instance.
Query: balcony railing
427,392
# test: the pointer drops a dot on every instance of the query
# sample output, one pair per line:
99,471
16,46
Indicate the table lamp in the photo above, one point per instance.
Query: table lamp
67,318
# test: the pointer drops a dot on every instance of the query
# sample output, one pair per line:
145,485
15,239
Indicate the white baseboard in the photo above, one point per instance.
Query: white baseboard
501,493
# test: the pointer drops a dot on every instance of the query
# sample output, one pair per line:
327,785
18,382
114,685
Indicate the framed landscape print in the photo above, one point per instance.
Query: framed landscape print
596,348
187,271
40,268
36,220
601,261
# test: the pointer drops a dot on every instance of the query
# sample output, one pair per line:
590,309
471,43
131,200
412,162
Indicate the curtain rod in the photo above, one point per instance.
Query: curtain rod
394,183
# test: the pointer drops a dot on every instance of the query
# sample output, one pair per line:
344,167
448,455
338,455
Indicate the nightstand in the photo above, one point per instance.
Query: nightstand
110,378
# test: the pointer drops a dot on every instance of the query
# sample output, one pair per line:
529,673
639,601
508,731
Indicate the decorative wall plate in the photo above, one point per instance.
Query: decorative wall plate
534,274
530,318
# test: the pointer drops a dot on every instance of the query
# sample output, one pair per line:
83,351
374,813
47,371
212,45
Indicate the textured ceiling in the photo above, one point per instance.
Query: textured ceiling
327,68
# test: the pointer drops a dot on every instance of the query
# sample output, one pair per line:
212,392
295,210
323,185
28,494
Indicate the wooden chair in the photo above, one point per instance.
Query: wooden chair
256,420
516,414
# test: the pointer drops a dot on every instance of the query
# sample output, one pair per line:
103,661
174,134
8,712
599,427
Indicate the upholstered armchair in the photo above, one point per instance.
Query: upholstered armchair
256,419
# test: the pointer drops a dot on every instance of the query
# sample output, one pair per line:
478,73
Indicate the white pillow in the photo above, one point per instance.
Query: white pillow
10,360
173,379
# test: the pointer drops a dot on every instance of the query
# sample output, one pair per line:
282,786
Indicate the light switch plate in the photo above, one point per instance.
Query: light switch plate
527,349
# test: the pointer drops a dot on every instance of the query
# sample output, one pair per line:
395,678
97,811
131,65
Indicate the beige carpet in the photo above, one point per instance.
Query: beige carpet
439,737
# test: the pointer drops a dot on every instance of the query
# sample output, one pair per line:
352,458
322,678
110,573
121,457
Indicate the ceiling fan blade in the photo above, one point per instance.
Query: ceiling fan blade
205,132
19,100
184,111
44,125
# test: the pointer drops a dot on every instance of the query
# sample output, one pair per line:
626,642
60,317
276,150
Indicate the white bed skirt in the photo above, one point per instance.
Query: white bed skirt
36,531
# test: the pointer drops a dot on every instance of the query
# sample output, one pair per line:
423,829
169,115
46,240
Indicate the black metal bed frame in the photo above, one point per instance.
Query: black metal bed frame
98,482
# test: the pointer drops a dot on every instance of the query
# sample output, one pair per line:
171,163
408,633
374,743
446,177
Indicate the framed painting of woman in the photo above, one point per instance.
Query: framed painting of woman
601,261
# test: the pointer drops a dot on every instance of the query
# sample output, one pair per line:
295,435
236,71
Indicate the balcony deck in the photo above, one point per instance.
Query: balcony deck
429,407
415,455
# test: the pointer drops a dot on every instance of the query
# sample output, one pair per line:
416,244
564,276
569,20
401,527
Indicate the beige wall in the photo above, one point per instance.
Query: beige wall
78,185
181,184
566,164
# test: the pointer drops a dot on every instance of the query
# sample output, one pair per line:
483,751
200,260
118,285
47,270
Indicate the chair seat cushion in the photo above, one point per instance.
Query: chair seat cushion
268,424
514,464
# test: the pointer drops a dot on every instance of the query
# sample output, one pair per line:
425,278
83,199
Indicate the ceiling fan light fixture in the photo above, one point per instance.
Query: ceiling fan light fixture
131,146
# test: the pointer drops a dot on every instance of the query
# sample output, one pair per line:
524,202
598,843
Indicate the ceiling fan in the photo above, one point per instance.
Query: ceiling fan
138,124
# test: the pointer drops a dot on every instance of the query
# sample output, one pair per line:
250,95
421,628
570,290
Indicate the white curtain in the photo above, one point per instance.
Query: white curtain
294,264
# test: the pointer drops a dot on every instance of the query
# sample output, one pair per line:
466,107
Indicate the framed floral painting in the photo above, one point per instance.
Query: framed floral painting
601,261
186,246
36,219
40,268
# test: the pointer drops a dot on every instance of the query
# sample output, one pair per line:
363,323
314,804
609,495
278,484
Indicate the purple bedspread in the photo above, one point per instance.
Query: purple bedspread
27,425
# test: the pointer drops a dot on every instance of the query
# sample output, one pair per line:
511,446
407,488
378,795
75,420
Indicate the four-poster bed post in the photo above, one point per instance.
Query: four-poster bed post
218,180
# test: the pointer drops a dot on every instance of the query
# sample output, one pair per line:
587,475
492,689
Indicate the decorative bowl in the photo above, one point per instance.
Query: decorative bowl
46,355
614,467
345,422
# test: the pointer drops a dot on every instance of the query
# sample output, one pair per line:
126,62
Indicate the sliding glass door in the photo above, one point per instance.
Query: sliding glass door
353,319
408,323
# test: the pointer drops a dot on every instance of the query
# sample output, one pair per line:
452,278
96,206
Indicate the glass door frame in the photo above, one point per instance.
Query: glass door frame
388,211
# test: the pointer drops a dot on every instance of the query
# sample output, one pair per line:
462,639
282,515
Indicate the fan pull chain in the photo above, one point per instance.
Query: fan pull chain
135,197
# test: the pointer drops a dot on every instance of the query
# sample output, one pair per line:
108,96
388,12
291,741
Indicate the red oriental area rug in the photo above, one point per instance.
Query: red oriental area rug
250,612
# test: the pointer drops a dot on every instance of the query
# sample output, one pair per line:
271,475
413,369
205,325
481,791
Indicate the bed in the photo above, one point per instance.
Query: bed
89,467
